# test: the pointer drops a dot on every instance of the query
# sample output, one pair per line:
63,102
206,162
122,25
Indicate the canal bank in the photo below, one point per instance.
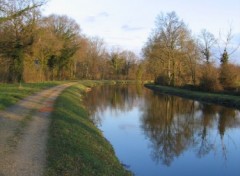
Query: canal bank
232,101
159,134
75,145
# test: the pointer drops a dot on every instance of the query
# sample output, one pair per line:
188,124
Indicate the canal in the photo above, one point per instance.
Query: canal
155,134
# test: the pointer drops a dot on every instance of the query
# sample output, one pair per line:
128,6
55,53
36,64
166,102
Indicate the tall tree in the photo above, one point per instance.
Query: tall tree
95,58
46,49
228,72
17,35
207,42
192,58
67,31
226,46
129,63
165,47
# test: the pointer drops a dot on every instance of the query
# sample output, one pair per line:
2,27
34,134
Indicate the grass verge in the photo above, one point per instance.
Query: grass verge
220,99
75,145
12,93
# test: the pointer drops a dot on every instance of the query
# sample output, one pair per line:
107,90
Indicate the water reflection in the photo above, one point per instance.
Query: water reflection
172,125
121,98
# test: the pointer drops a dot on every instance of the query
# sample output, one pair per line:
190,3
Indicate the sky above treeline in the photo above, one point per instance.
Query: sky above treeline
126,24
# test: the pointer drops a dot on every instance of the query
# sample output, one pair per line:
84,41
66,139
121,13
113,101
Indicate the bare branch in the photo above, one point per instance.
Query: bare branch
19,12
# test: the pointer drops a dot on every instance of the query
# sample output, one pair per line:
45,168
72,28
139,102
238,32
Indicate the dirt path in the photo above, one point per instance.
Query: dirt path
23,134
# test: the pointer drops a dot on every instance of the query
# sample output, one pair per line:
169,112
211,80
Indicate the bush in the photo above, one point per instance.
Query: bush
209,80
162,80
228,76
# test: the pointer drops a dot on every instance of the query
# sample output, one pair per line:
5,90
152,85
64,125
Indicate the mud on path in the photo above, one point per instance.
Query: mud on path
24,132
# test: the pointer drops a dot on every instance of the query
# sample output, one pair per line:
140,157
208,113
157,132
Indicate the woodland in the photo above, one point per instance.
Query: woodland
37,48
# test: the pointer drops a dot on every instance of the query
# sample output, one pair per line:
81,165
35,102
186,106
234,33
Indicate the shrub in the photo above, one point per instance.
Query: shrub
228,76
162,80
209,80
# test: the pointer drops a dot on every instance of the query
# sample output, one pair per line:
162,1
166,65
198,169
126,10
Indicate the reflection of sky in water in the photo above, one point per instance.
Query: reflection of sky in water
202,141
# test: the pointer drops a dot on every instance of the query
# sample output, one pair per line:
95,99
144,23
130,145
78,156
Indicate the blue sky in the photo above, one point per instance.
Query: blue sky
127,23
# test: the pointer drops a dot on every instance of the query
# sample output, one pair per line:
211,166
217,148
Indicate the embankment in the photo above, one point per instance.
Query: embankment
232,101
75,145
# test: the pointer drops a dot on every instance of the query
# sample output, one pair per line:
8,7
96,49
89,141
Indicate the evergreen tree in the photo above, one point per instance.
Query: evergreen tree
224,57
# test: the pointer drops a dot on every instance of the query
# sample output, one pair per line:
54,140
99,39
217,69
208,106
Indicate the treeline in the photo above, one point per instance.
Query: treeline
177,58
36,48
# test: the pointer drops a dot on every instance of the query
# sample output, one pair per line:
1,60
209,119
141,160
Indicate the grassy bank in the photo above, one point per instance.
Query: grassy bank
220,99
75,145
11,93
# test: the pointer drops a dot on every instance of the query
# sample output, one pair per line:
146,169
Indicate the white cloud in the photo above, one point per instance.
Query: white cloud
94,18
131,28
105,18
103,14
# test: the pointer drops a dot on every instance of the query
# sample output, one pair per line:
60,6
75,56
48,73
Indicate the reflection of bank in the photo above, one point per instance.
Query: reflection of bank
120,98
175,125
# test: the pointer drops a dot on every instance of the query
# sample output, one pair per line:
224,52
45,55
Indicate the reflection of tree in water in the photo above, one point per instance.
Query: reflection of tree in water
227,119
118,98
208,116
165,126
174,125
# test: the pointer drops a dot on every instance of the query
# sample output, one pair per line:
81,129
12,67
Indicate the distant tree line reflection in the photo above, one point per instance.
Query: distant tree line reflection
120,98
172,124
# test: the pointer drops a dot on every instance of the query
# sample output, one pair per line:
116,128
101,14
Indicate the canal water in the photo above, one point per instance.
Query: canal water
155,134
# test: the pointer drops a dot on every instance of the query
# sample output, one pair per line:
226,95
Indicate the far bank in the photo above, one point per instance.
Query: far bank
214,98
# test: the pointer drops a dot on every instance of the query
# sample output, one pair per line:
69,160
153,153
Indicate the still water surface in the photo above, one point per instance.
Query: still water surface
155,134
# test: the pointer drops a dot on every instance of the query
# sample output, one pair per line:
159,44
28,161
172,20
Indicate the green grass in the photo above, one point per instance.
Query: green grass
215,98
75,145
12,93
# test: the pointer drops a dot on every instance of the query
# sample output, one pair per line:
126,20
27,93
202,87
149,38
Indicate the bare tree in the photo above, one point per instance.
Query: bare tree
67,31
226,49
228,72
207,42
95,62
5,8
130,59
165,48
192,57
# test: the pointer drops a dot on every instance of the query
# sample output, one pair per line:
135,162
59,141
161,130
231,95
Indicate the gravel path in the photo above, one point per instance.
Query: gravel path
23,134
